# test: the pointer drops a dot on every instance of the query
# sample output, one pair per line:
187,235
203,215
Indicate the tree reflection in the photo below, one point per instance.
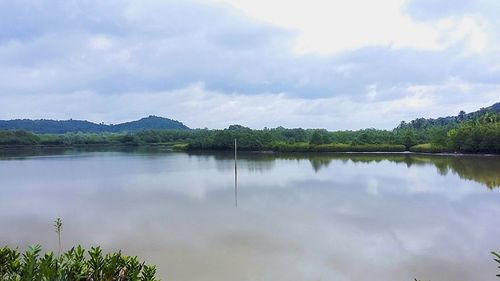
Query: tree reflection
481,169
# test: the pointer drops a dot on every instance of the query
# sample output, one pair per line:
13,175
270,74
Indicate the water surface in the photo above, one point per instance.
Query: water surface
299,217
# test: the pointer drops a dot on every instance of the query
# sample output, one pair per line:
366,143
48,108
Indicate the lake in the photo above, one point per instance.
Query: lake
353,217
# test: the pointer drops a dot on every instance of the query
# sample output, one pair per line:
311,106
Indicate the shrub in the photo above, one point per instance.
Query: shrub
497,259
18,137
339,147
72,265
336,147
180,146
428,148
291,147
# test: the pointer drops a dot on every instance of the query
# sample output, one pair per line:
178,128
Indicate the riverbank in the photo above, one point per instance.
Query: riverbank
337,147
426,149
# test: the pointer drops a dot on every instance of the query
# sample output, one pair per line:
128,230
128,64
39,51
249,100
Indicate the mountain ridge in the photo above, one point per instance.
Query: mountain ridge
49,126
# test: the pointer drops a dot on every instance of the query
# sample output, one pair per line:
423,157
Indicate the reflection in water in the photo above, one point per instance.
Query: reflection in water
235,174
484,170
303,216
481,169
13,153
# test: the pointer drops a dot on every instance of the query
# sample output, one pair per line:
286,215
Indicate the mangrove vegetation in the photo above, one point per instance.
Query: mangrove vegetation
76,264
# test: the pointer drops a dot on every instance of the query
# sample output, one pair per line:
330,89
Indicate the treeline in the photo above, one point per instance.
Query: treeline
480,134
277,139
281,139
469,133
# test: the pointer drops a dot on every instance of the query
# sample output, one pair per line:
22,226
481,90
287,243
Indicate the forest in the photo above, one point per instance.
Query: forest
477,132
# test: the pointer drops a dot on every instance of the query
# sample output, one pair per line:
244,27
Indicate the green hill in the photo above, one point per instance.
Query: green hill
44,126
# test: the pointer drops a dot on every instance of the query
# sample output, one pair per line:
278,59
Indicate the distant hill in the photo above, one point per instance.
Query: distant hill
495,107
149,123
424,123
44,126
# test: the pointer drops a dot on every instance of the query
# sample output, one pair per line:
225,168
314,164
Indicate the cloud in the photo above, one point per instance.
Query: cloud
428,9
328,26
333,26
244,62
199,107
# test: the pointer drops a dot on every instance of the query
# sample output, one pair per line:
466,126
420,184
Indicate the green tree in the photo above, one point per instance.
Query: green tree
319,137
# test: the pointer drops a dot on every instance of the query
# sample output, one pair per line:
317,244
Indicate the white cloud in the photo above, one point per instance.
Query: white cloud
469,30
332,26
371,92
100,42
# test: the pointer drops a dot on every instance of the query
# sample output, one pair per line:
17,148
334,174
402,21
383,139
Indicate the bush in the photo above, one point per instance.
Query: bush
72,265
339,147
497,259
291,147
180,146
336,147
18,137
428,148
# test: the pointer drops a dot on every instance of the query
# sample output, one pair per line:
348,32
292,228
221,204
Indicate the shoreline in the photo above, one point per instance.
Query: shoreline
171,147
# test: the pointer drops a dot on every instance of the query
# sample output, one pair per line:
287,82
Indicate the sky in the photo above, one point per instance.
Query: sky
331,64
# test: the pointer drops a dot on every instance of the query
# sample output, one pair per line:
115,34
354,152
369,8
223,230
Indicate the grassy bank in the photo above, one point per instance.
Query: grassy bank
337,147
307,147
429,148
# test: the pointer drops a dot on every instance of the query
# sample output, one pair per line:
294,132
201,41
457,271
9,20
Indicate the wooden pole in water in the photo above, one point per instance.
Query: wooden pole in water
235,173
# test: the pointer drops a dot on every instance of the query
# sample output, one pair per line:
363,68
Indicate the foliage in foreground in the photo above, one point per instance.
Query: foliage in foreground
72,265
497,259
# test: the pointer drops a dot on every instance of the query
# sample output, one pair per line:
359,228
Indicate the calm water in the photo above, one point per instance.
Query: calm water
299,217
